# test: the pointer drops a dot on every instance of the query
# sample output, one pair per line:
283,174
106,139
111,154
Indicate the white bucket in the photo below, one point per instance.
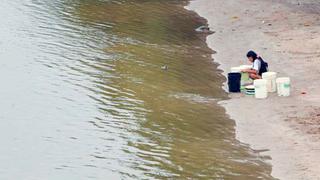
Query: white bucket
283,86
271,80
260,88
235,69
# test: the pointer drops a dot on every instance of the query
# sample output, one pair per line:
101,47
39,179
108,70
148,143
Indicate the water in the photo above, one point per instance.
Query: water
83,95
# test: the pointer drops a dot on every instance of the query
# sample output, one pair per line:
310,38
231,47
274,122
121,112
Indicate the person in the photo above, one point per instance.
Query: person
259,66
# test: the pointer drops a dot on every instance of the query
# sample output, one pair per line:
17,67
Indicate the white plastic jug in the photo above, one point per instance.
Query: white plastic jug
271,80
283,86
245,76
245,79
260,88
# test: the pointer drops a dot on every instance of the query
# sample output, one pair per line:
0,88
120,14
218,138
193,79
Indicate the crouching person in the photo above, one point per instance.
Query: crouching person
259,66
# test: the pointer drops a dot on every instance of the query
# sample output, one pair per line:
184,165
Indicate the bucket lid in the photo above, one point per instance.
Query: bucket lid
283,80
250,94
251,91
235,69
245,67
234,74
260,82
249,87
269,74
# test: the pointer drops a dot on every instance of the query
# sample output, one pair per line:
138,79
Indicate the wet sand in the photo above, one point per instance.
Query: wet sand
286,34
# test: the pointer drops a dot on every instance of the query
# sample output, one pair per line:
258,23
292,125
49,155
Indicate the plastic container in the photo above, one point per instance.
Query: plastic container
260,88
283,86
249,90
235,70
234,82
246,66
245,79
271,80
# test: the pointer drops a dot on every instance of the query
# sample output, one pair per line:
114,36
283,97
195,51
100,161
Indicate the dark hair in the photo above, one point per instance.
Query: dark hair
252,54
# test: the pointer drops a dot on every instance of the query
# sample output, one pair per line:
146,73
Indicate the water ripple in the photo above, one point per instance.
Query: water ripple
84,95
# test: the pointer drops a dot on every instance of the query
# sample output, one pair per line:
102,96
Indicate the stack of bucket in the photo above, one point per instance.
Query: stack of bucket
249,90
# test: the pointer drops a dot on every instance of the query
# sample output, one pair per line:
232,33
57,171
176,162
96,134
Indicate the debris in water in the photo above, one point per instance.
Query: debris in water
165,67
204,29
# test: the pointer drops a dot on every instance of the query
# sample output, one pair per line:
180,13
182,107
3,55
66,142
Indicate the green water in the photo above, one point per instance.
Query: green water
94,103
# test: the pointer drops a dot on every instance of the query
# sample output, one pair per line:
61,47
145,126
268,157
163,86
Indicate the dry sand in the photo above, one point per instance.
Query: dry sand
286,34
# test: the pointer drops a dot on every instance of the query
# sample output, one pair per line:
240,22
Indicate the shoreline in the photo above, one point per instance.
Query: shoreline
286,128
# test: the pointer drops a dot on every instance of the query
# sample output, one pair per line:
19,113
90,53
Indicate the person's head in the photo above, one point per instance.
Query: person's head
251,55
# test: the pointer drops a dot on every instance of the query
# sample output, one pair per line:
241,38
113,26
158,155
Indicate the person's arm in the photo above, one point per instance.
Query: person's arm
255,68
250,71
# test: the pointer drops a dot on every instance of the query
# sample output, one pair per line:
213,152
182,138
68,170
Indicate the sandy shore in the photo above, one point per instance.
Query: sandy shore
286,34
